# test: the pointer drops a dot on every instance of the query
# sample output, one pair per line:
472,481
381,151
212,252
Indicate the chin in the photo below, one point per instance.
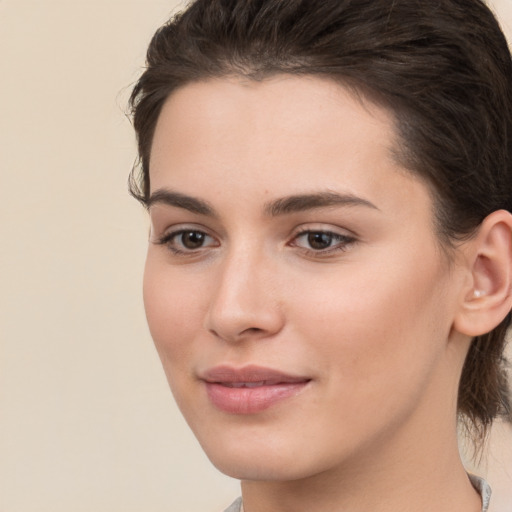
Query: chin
267,458
259,470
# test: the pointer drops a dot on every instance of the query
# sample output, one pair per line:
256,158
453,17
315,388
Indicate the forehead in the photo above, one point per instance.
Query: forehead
294,106
276,137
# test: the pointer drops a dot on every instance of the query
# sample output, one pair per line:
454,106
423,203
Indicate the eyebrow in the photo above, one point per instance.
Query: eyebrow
282,206
301,202
178,200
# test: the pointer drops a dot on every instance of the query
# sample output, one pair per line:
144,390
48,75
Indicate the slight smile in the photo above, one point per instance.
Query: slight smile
250,389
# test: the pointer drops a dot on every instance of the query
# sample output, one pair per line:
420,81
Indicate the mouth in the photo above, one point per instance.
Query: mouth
251,389
248,384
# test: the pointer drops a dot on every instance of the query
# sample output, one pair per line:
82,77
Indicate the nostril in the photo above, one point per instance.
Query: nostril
252,330
238,335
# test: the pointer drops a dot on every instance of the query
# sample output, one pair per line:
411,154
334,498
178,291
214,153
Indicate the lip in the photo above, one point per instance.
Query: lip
250,389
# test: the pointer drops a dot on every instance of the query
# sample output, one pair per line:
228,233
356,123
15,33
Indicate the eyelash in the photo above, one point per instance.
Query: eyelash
341,242
169,238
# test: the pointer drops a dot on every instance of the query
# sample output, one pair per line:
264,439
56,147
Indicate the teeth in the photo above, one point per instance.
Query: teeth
245,384
254,384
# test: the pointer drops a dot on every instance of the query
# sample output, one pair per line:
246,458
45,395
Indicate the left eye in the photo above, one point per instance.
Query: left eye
321,240
192,239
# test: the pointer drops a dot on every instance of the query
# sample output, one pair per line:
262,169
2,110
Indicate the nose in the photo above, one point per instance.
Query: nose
245,302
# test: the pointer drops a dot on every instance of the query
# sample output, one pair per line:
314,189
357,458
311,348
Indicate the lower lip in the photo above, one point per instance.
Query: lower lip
251,400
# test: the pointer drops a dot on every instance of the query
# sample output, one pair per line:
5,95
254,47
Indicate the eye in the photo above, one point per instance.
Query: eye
319,241
322,241
185,241
191,239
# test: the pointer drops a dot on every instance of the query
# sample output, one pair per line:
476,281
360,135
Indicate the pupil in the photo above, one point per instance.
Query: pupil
192,239
319,240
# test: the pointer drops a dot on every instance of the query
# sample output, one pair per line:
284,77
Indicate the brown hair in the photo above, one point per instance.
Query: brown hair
442,66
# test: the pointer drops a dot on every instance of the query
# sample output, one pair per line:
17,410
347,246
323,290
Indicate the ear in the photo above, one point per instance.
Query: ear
488,300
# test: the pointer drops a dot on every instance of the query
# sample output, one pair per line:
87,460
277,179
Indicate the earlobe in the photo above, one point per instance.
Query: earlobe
489,300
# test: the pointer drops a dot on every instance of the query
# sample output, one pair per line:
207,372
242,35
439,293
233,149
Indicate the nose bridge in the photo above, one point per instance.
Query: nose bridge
245,302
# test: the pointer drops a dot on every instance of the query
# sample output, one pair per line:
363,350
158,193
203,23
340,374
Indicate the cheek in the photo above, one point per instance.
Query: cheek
376,339
377,327
174,315
173,310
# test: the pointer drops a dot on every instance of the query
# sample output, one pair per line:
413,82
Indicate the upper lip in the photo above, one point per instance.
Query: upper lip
251,373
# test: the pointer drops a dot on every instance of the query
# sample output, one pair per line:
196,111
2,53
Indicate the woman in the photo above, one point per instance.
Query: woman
329,273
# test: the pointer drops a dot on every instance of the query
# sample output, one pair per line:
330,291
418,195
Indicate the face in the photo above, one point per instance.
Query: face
294,285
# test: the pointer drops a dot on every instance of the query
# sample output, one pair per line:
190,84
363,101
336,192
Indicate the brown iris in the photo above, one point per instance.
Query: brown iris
192,239
319,241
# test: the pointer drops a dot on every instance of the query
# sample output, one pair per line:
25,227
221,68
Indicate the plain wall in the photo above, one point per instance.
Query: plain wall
86,420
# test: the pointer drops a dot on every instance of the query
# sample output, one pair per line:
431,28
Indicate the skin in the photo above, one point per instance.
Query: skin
369,320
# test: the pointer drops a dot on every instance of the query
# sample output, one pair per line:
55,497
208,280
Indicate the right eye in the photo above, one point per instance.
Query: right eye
185,241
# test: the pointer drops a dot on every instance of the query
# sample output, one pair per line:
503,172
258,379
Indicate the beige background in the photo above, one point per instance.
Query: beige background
86,420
